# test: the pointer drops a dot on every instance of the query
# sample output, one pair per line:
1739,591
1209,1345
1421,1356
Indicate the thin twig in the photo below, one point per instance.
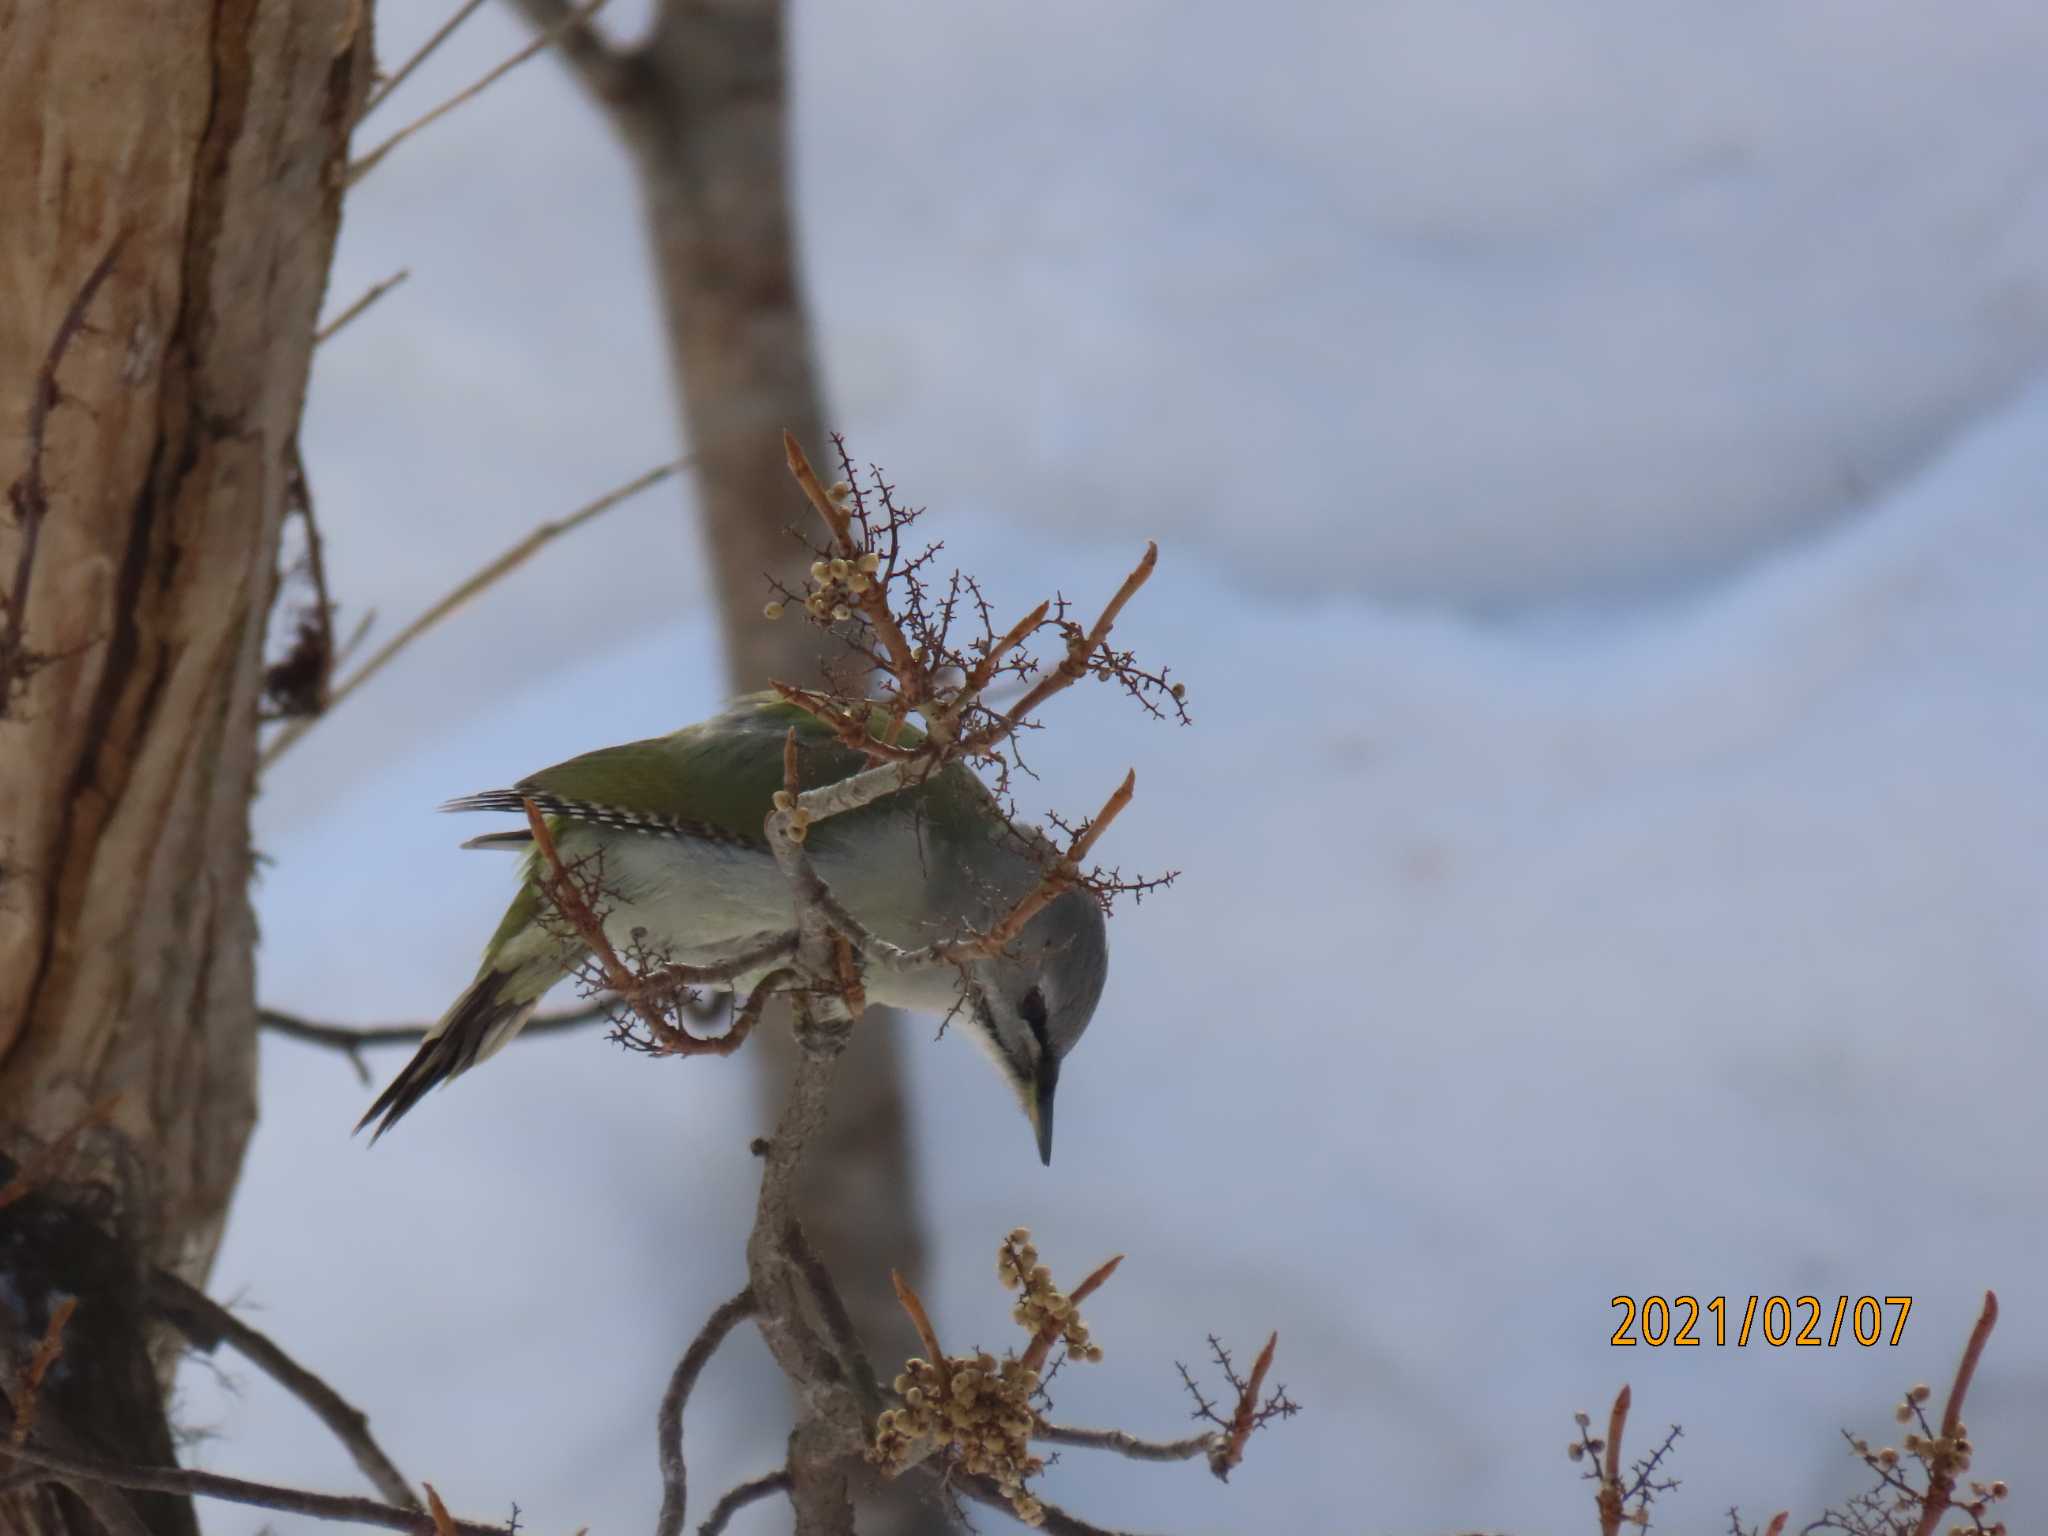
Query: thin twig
235,1490
419,56
739,1498
563,891
1074,666
616,77
362,167
352,1040
506,563
675,1482
1123,1443
375,292
1230,1450
206,1324
28,495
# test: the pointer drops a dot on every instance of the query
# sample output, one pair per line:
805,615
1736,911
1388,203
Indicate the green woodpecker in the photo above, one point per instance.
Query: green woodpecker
672,828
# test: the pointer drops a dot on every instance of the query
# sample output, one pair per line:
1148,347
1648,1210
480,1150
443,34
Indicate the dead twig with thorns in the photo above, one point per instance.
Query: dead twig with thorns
29,495
647,993
979,1414
1251,1412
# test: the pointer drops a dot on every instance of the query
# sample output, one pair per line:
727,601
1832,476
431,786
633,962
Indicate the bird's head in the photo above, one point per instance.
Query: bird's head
1029,1005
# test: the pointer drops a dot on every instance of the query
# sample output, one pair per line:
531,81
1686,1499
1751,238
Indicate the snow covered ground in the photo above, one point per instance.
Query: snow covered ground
1599,456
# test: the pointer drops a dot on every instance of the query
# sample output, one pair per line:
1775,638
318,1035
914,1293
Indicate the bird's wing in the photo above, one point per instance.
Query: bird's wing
714,780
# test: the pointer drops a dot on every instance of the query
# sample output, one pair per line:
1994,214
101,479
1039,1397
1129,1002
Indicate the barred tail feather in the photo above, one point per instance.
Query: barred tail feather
481,1020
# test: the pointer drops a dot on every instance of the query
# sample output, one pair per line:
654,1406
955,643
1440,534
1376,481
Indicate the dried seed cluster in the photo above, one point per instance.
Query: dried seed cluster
975,1408
1939,1455
836,587
1043,1306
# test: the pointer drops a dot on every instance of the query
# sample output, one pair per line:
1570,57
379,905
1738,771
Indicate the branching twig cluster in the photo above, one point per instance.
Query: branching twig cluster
1623,1498
1922,1478
1918,1482
1254,1410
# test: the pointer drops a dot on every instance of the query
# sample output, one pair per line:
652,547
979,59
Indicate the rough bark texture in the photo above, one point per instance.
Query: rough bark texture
201,142
702,105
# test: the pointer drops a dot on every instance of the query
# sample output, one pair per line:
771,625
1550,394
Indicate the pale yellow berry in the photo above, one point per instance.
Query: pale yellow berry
841,611
771,611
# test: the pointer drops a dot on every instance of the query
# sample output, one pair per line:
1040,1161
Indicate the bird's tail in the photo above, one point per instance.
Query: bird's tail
493,1009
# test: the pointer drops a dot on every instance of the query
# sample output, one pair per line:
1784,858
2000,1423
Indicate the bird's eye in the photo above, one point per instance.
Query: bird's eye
1033,1009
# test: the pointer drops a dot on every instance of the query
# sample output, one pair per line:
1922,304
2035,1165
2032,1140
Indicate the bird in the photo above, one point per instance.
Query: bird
673,827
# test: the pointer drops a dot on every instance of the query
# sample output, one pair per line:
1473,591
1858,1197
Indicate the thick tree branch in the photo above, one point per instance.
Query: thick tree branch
206,1324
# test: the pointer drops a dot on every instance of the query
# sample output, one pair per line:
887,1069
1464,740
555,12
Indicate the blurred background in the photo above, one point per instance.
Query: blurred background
1598,455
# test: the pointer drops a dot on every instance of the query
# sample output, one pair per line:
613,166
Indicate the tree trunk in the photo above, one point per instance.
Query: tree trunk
171,175
702,106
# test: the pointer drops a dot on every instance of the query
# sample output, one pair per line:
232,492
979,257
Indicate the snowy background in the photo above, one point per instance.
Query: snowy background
1600,454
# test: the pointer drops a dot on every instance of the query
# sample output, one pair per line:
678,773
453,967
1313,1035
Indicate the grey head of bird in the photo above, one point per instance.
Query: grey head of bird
1028,1005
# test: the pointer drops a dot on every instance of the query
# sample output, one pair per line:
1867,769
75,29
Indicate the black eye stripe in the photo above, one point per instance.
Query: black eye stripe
1033,1009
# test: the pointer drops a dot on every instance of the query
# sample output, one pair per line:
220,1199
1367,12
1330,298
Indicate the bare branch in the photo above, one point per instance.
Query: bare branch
353,1040
506,563
375,291
1124,1443
675,1482
206,1324
362,167
737,1499
235,1490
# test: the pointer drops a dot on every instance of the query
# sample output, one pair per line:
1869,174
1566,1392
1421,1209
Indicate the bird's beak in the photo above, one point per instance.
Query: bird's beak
1041,1105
